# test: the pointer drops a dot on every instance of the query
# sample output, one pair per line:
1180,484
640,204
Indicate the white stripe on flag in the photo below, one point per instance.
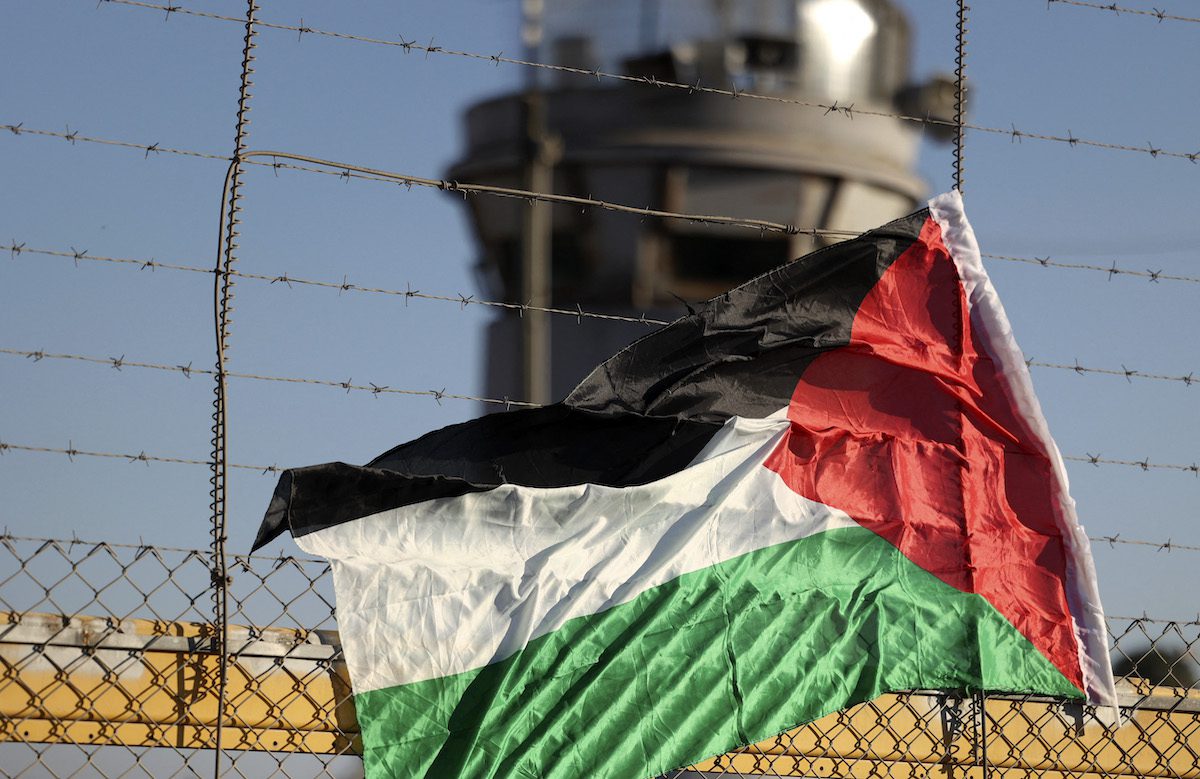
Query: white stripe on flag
454,584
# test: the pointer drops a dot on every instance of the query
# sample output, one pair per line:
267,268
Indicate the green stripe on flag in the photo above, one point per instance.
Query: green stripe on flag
718,658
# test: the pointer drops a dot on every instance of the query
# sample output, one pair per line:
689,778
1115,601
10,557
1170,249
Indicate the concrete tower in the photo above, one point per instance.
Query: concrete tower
678,151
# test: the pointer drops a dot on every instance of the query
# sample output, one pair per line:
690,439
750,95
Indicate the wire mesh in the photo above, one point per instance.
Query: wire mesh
109,664
108,668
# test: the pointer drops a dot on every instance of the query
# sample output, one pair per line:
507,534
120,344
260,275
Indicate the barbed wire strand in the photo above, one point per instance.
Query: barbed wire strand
348,170
287,280
1153,276
462,301
16,249
1144,464
345,171
8,537
72,451
1159,14
74,136
75,540
1128,373
1154,620
121,362
836,108
1161,546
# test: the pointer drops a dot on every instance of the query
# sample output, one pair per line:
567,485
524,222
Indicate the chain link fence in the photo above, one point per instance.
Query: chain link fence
108,668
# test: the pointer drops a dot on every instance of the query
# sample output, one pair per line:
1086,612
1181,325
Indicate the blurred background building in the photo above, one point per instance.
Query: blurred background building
632,143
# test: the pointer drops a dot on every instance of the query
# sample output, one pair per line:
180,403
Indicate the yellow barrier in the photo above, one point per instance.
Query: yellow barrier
98,681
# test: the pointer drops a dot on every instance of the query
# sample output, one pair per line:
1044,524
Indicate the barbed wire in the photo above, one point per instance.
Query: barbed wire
72,452
463,301
287,280
16,249
348,385
1154,620
1129,373
187,370
7,536
1144,464
1157,13
1160,546
345,170
344,285
1113,270
836,108
74,136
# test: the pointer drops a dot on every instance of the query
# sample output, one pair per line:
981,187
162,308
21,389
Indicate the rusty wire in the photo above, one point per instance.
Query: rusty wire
836,108
1157,13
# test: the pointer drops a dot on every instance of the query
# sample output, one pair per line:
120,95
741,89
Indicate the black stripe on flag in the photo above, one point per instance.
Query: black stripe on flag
638,417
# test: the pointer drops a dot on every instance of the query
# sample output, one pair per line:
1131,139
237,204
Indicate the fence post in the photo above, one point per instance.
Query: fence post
223,296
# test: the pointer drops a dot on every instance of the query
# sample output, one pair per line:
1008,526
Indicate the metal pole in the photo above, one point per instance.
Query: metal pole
981,705
227,237
536,226
535,255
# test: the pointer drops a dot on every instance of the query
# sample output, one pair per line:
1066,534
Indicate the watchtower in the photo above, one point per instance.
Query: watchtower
681,150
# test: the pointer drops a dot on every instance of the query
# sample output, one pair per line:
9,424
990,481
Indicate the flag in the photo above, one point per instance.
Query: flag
830,482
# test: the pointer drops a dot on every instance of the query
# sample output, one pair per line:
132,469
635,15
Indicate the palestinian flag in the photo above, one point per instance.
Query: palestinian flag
830,482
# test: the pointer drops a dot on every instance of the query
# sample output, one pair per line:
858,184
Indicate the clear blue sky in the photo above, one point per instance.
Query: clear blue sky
127,73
